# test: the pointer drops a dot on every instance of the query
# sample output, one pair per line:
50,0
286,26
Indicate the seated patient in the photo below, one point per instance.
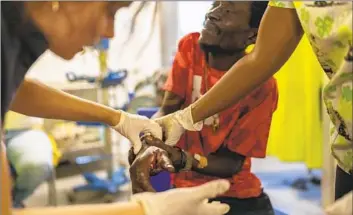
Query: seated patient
228,141
30,154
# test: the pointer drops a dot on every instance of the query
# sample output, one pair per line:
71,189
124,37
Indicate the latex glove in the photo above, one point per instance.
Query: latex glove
131,126
175,124
185,201
343,206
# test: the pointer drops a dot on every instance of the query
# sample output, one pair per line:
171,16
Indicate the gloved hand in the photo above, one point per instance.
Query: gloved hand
175,124
342,206
185,201
131,125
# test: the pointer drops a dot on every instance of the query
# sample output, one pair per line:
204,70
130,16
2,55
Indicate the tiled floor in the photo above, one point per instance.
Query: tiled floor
275,176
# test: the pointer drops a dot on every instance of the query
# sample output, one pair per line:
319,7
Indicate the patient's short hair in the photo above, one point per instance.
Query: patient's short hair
258,9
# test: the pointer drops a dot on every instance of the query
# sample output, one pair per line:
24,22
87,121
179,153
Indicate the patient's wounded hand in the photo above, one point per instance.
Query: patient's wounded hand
173,153
149,161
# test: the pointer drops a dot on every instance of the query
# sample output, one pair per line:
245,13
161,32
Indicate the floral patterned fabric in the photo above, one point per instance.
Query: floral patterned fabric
328,25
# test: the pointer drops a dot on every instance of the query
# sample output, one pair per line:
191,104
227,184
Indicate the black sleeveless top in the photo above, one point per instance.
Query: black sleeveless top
21,45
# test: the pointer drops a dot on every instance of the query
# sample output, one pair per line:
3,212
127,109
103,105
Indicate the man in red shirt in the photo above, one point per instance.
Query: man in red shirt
224,147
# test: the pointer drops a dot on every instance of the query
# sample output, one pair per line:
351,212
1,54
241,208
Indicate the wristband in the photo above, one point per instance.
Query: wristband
188,164
181,163
202,161
185,160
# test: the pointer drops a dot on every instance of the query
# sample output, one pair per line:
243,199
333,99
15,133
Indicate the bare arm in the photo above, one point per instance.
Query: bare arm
279,34
224,164
130,208
171,103
39,100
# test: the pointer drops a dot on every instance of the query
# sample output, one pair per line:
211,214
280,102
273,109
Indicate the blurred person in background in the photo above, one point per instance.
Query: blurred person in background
30,153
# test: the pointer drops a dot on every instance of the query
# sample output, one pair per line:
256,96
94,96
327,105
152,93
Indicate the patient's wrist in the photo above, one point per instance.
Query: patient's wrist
177,157
185,162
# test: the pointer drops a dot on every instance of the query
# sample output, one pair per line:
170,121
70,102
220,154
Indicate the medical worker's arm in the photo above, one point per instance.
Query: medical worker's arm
131,208
279,34
36,99
186,201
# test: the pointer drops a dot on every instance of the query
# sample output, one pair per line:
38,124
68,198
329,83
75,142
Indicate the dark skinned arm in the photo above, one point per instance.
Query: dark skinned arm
171,103
223,163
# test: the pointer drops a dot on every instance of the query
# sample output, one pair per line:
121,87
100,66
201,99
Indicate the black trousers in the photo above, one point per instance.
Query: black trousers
344,183
252,206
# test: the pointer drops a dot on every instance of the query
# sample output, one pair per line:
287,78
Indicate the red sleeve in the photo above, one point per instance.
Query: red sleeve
250,134
176,81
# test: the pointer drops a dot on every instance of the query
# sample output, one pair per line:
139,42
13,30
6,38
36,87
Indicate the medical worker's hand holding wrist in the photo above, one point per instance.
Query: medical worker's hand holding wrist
176,123
131,126
185,201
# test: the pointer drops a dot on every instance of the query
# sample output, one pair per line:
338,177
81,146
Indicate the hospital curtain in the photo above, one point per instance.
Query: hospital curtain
296,131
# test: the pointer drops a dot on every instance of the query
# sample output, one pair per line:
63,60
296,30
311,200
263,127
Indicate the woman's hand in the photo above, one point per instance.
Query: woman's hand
149,161
175,124
185,201
130,126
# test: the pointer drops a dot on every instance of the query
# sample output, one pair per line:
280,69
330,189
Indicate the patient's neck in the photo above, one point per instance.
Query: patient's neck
223,62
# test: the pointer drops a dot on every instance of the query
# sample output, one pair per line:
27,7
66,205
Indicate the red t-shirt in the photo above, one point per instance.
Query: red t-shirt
244,127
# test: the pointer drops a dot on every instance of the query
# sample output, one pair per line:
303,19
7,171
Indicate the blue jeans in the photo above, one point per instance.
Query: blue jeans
30,155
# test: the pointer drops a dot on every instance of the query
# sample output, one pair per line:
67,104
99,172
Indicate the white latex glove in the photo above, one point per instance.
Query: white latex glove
185,201
176,123
131,126
342,206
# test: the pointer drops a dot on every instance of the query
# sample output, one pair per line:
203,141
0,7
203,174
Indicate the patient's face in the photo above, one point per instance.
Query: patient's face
226,26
